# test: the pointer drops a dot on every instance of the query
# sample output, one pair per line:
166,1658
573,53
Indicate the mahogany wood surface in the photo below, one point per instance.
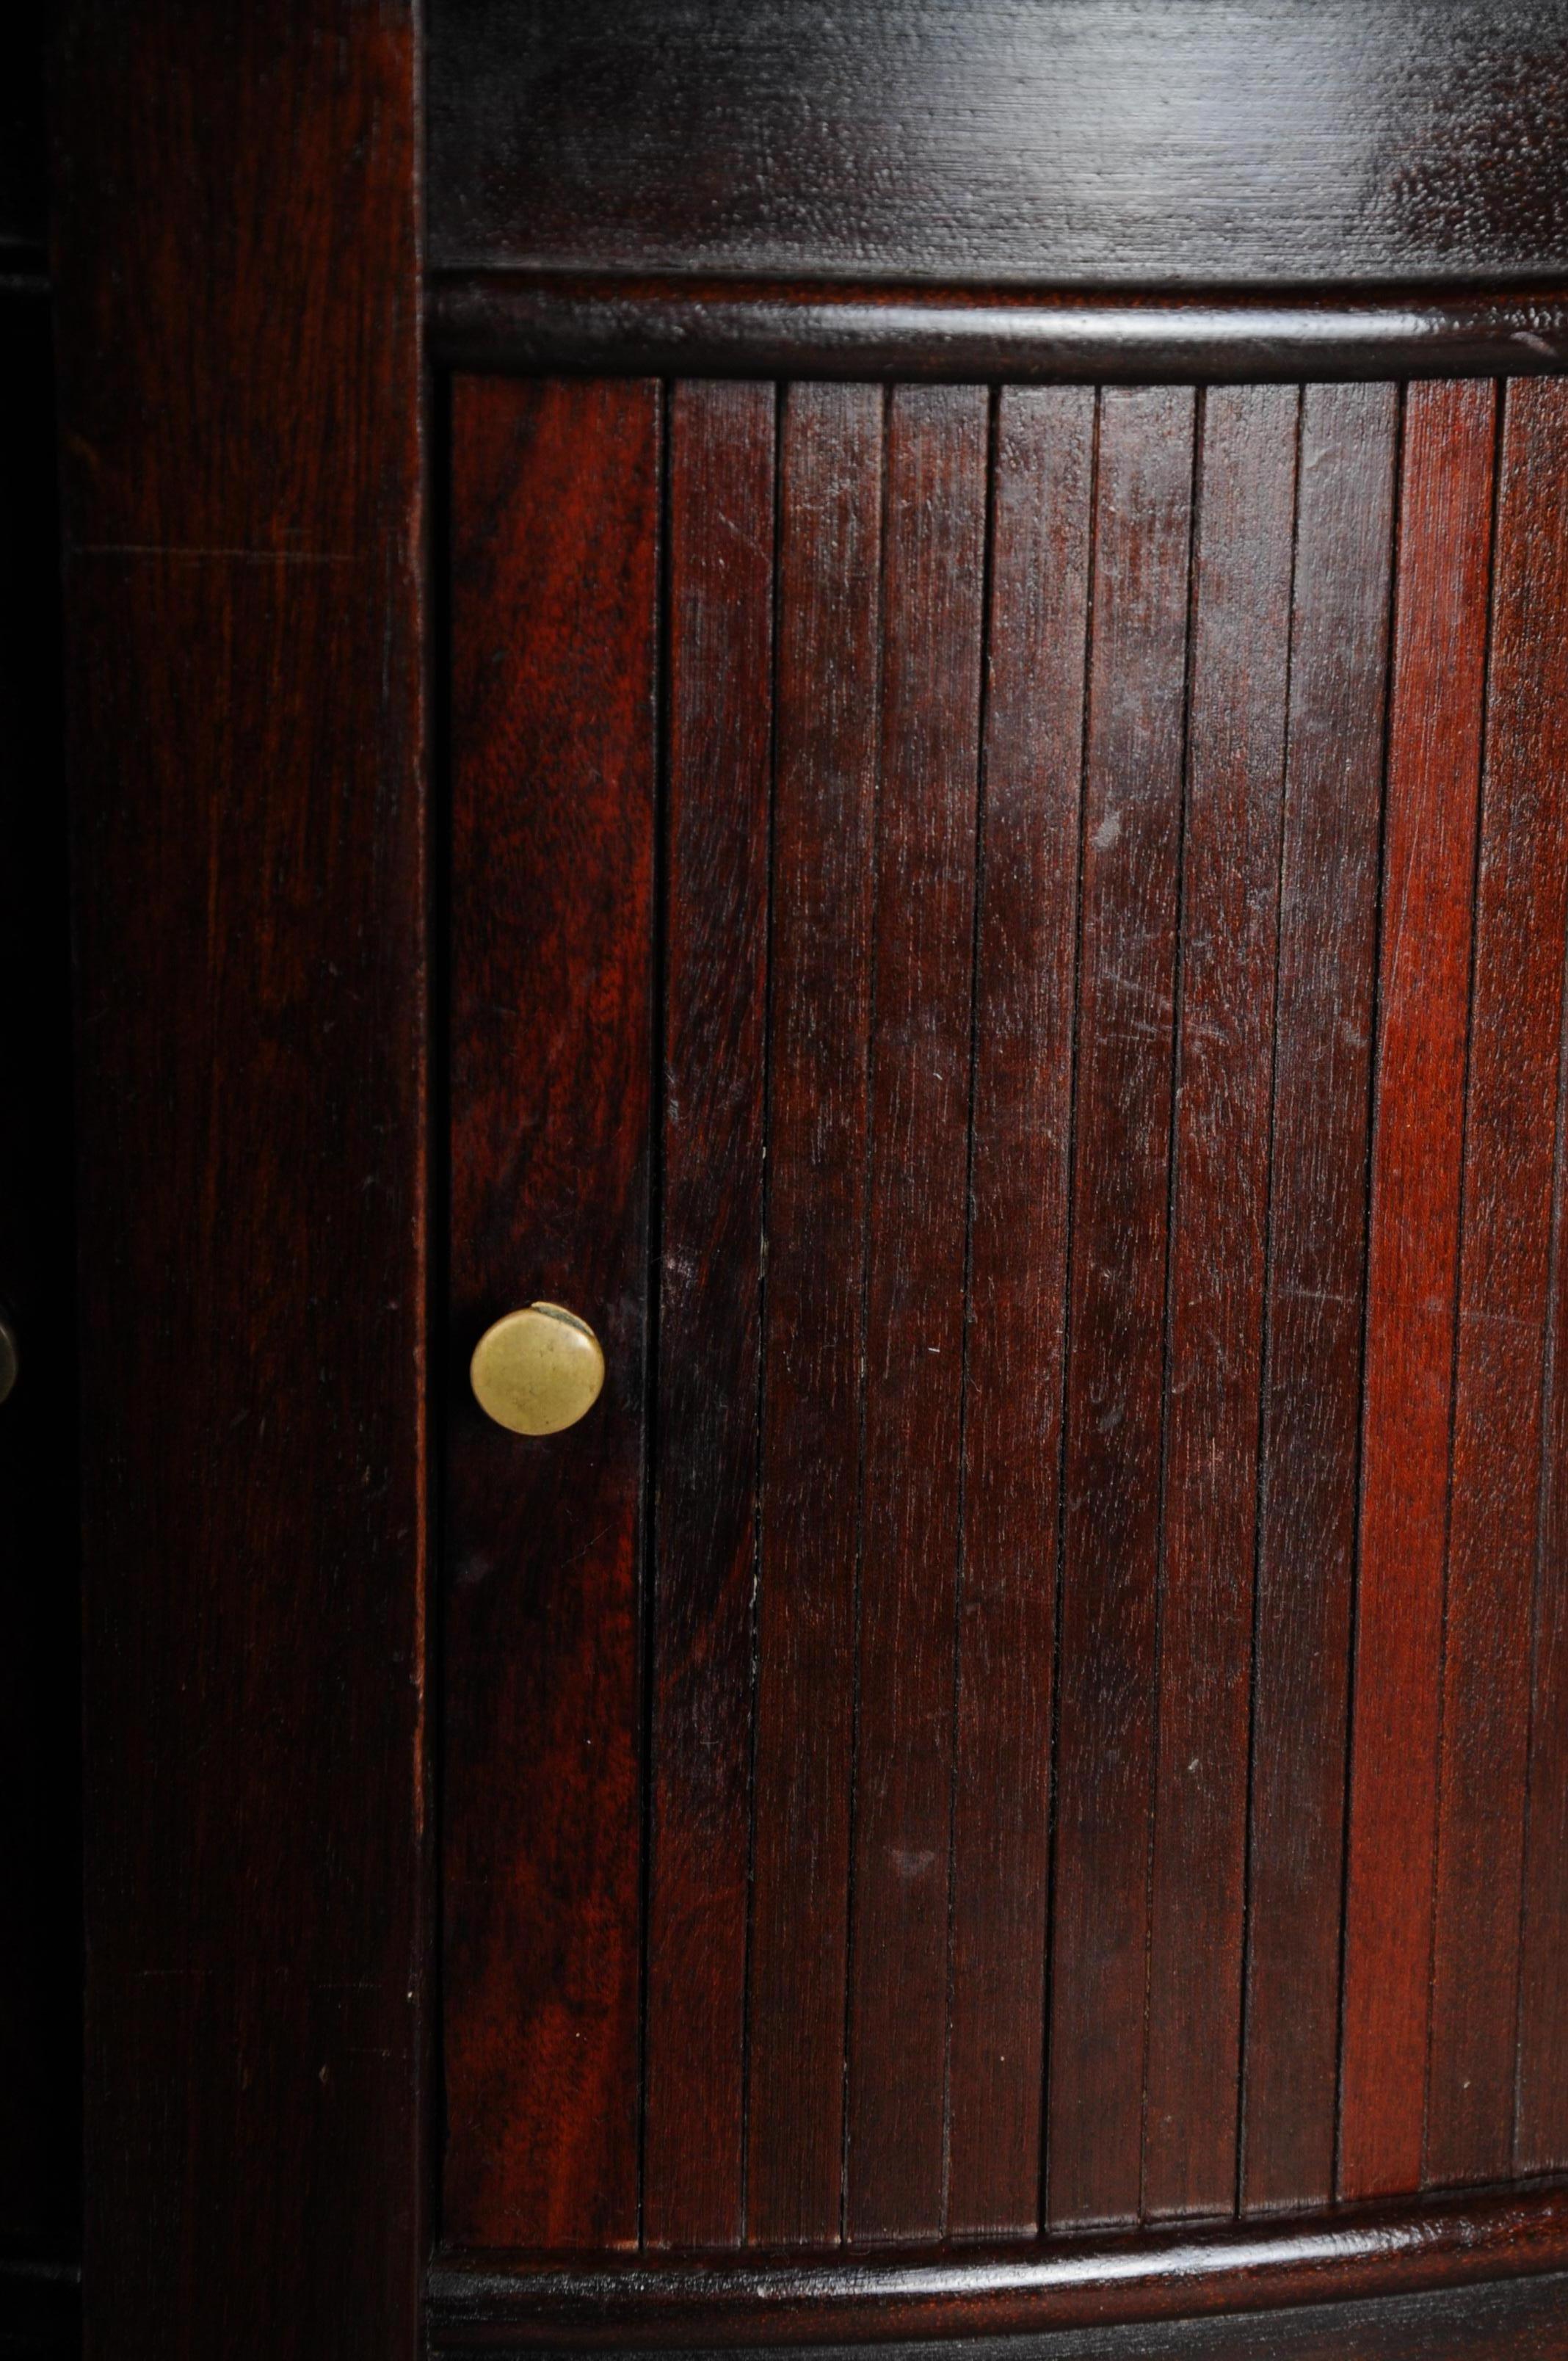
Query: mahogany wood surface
1429,857
613,322
921,1097
1240,648
1067,142
975,2290
237,258
1316,1277
1026,953
1059,1019
1511,1142
721,556
1505,2320
823,881
555,556
1116,1297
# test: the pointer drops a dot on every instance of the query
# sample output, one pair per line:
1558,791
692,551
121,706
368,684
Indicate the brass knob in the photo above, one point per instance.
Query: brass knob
537,1371
9,1362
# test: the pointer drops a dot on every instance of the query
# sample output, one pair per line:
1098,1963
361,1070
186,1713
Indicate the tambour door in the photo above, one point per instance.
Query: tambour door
1006,956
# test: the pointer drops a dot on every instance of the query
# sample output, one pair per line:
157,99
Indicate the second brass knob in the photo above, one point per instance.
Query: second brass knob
537,1370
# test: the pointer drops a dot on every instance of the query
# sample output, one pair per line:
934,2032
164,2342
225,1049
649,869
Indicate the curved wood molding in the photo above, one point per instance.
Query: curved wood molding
609,327
479,2302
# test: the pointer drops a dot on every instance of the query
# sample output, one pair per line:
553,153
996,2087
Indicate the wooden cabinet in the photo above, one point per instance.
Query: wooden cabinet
884,708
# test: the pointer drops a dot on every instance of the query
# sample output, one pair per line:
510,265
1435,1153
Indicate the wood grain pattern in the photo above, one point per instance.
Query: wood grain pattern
933,588
1022,1398
1024,980
1132,793
710,1265
1316,1288
1541,2125
1239,681
1060,142
1428,870
1511,1138
241,462
829,737
554,548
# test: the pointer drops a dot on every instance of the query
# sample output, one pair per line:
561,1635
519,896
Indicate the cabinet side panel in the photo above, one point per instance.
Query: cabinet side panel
238,317
555,506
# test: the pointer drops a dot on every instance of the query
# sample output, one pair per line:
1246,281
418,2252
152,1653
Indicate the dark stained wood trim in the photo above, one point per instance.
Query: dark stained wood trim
613,326
237,250
1495,2320
476,2303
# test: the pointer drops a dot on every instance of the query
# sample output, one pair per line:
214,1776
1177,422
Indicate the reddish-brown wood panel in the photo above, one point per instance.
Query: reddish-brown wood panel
1504,1250
1132,790
830,657
555,506
1239,679
720,595
236,312
1030,830
1429,864
1316,1286
933,582
1540,2129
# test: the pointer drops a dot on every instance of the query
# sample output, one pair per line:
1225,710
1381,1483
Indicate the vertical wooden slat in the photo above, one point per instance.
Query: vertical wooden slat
554,547
1316,1286
1429,858
1230,910
1541,2130
240,444
920,1086
720,661
1120,1181
1023,1081
824,811
1510,1137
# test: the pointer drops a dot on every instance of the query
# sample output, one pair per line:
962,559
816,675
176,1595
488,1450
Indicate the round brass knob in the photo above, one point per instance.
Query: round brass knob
537,1371
9,1362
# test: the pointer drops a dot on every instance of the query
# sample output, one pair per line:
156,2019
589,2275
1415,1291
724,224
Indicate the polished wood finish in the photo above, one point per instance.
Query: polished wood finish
1240,652
554,557
933,589
1316,1280
1117,1296
612,322
823,876
238,255
721,557
1026,953
1062,1204
1429,875
1512,1140
1068,142
1505,2320
492,2303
